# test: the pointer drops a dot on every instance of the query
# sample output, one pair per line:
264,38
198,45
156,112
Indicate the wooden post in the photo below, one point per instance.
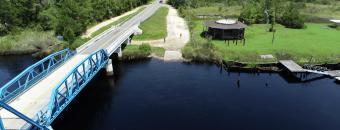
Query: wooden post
243,42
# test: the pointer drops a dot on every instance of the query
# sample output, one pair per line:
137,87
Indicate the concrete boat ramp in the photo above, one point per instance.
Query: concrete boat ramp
295,68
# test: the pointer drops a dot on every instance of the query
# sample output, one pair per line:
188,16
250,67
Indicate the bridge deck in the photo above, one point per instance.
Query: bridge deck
38,97
292,66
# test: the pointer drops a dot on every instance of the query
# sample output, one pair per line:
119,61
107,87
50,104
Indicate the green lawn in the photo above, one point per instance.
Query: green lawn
316,42
141,51
155,27
117,22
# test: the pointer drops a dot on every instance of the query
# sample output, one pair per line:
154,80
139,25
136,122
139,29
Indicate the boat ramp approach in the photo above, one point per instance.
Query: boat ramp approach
35,98
293,67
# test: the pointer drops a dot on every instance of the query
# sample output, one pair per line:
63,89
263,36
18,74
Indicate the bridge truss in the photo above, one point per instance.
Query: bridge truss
62,94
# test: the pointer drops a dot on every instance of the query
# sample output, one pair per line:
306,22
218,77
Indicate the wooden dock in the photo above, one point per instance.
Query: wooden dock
295,68
292,66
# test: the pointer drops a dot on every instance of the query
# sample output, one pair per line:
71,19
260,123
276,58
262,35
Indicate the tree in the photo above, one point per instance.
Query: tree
7,17
292,18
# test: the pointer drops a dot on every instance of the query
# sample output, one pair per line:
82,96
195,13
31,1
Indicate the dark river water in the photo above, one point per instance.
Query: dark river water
157,95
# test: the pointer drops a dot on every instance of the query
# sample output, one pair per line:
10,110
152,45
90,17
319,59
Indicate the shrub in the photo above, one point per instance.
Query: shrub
292,18
133,52
251,14
202,52
145,48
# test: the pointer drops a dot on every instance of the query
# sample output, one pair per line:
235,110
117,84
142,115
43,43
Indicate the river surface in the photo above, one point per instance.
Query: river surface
157,95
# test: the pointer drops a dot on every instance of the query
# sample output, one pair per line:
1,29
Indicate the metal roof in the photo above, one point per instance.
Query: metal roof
214,24
335,21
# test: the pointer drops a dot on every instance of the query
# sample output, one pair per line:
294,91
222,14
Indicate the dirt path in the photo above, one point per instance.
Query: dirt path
178,36
93,29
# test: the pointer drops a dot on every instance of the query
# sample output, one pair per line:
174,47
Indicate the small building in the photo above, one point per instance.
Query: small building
225,29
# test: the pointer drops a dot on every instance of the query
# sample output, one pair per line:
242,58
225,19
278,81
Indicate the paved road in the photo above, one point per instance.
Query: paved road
38,97
106,40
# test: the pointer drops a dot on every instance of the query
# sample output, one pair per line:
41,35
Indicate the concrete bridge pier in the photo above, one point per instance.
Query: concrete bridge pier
119,52
109,68
128,41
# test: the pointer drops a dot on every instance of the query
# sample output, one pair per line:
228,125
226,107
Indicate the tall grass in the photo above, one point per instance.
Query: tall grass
27,41
135,52
204,51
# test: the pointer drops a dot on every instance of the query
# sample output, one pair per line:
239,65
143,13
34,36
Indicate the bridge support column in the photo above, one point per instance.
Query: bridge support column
109,68
120,53
128,41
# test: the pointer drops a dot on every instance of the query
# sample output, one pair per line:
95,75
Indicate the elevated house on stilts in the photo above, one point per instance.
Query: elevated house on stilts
225,29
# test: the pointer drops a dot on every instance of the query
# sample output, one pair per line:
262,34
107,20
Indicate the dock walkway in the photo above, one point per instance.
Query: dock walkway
292,66
295,68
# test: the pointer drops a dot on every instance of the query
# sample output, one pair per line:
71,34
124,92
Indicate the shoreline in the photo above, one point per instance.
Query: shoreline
237,66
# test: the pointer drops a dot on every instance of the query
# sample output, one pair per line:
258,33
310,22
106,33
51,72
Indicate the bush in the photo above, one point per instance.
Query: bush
133,52
251,14
292,18
202,52
145,48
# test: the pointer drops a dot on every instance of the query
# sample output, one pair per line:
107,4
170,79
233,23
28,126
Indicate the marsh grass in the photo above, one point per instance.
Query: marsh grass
27,41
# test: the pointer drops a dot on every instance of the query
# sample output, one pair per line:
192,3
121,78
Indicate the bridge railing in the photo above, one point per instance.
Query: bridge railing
32,74
117,43
73,83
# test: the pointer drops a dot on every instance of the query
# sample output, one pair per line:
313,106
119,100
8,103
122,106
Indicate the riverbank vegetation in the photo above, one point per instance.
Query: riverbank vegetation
29,41
66,19
289,32
139,52
155,27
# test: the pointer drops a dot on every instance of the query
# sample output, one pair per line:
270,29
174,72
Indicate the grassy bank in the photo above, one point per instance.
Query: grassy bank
137,52
117,22
331,11
155,27
317,43
29,41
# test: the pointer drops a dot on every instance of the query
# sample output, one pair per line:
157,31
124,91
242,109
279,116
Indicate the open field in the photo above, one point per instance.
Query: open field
313,12
317,43
155,27
216,10
331,11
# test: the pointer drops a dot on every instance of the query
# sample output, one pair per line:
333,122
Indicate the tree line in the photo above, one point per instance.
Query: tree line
68,18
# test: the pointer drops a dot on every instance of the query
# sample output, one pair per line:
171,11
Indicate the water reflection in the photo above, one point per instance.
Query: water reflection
10,66
167,96
159,95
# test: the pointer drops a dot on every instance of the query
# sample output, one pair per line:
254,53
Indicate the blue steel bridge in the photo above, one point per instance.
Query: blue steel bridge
35,97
